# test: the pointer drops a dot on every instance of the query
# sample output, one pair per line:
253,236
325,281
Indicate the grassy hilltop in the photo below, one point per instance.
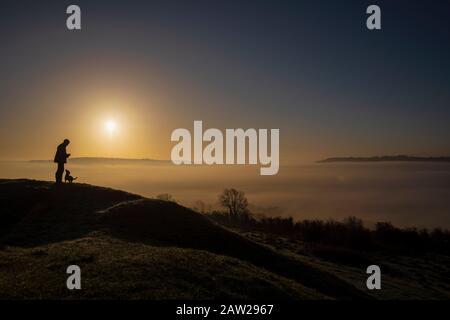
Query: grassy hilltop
130,247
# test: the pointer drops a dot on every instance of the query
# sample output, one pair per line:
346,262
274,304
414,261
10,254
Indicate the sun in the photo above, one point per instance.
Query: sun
110,127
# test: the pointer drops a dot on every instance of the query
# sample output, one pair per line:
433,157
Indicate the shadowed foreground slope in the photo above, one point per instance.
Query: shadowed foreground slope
131,247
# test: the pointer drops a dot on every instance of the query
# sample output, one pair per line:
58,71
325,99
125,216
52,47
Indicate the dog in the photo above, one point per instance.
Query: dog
68,177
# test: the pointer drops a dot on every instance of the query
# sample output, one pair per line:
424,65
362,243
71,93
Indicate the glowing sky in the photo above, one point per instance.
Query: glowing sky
312,70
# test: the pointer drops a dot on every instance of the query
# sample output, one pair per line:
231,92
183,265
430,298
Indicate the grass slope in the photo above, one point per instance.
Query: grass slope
132,247
404,277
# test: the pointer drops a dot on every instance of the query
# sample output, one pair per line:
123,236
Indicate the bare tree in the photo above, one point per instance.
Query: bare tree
235,201
199,206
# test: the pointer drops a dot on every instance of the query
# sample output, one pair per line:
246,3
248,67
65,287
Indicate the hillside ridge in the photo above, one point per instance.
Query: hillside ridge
41,214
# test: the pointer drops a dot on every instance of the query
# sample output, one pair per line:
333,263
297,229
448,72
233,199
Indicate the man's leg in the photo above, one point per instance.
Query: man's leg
59,173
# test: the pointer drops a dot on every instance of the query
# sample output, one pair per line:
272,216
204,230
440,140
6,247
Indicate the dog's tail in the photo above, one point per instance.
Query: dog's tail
75,178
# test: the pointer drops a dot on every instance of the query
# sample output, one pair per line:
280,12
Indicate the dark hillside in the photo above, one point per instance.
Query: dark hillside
39,213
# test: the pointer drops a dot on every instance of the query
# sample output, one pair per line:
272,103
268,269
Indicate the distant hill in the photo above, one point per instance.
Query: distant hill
100,160
386,159
132,247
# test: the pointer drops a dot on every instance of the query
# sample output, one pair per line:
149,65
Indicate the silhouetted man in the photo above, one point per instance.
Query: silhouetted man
61,158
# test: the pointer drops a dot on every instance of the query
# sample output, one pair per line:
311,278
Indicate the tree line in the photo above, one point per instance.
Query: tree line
350,233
